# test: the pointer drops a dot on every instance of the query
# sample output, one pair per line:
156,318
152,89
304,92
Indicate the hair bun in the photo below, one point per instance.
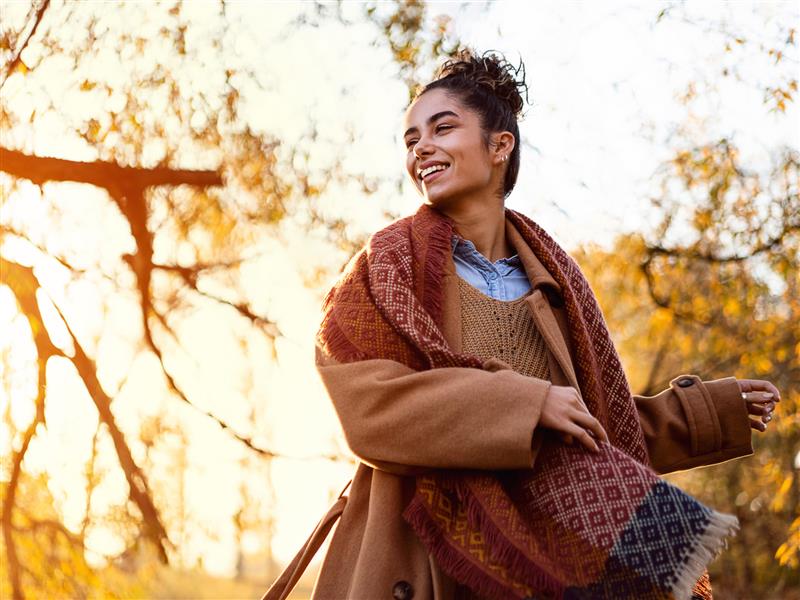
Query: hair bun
491,72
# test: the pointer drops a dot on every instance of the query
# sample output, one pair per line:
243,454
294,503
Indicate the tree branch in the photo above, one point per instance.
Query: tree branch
24,284
17,55
111,176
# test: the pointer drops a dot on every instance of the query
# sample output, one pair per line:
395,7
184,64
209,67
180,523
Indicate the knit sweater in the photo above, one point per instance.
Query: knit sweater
503,329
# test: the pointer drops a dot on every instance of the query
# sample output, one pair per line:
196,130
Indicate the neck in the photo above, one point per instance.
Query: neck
484,225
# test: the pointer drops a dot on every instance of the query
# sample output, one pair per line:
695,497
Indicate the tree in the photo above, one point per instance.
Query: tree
188,187
713,290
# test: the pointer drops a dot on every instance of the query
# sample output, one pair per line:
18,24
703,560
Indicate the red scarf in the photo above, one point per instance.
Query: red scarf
577,525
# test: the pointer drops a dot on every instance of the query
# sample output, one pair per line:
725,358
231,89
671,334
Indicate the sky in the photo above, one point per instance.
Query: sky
604,79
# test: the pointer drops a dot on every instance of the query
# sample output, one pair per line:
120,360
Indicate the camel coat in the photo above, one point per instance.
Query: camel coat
400,422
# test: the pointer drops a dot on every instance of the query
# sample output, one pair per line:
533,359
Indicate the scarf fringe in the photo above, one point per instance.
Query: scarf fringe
337,344
454,563
330,336
438,248
714,539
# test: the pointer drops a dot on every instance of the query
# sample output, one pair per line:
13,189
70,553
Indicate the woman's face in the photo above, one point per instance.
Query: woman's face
441,131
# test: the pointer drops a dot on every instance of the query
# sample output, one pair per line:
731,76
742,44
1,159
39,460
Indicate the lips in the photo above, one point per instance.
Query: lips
433,176
430,163
432,168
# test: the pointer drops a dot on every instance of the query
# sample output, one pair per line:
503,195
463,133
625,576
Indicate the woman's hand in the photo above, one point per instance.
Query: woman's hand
760,397
564,412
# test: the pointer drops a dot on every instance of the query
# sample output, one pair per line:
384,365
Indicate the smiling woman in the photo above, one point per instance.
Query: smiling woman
463,132
502,452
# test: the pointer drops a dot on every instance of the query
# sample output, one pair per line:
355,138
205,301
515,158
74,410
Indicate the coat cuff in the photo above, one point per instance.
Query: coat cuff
716,413
539,392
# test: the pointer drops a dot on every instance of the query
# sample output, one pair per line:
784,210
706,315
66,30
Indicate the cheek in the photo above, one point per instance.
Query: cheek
410,169
408,164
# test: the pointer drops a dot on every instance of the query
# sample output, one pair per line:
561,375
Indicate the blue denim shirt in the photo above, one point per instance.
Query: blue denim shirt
504,279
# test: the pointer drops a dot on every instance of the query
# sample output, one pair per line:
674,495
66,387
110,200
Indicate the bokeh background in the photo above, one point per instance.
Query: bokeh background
182,181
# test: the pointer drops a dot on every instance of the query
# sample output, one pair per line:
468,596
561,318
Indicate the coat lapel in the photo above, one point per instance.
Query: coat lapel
541,311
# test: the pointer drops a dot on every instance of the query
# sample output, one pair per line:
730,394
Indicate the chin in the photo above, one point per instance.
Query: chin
439,199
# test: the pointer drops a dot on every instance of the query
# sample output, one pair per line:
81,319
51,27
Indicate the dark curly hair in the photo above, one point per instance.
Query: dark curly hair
489,85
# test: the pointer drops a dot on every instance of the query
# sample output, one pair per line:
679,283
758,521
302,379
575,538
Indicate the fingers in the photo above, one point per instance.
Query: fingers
759,397
757,407
587,421
771,388
759,385
565,413
582,435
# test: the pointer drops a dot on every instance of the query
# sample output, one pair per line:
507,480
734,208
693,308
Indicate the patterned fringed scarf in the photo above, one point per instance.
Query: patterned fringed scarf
577,525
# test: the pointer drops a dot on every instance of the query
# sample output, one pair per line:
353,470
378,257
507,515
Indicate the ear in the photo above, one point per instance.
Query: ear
502,145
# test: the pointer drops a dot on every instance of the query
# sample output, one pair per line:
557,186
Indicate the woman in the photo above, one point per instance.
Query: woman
462,347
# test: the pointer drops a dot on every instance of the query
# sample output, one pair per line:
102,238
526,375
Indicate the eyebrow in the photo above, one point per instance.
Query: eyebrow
431,119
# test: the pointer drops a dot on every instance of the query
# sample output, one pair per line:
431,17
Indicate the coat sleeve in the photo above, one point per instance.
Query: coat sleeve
405,421
695,423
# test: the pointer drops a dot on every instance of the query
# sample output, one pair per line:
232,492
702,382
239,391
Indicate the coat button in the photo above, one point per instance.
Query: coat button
402,590
685,382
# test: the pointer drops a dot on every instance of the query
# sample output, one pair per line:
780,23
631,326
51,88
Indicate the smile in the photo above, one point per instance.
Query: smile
433,172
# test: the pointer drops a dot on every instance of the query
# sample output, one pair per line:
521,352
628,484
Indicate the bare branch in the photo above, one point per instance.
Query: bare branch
770,244
16,60
24,284
111,176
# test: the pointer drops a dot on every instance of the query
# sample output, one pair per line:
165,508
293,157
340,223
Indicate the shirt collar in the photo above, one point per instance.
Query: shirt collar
466,249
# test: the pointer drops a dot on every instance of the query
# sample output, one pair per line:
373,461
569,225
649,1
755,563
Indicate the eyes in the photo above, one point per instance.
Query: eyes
410,142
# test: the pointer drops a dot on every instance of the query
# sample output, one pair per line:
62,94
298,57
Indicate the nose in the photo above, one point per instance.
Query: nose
422,147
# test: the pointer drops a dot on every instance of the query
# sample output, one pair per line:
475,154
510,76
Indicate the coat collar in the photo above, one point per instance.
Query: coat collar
538,275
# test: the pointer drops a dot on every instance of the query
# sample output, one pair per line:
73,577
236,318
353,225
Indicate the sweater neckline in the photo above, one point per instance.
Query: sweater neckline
463,283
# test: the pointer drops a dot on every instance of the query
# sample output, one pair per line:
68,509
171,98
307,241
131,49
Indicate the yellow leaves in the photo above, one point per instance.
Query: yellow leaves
732,307
94,130
701,307
787,553
685,344
779,499
661,319
703,219
762,364
780,96
407,54
134,122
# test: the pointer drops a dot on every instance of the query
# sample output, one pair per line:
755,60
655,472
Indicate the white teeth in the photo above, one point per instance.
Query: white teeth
425,172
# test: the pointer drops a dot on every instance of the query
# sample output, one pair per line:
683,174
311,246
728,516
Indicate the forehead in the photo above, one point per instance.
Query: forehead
430,103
